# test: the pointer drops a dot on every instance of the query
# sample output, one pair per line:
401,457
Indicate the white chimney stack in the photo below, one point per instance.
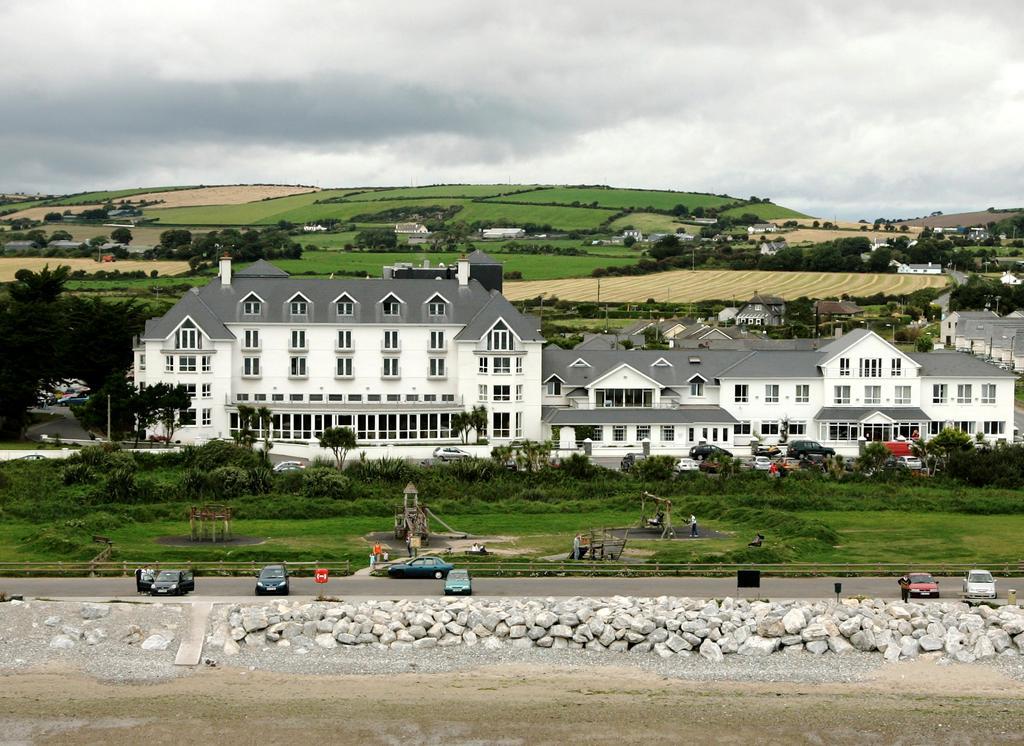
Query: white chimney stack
225,270
463,271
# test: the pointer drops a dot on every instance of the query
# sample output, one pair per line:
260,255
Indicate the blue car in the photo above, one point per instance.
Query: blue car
421,567
458,583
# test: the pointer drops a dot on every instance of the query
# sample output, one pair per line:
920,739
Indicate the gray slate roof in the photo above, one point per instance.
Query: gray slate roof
712,363
479,257
639,416
851,414
215,305
949,363
776,364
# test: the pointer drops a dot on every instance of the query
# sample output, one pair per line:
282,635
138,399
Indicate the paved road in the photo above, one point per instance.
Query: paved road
229,589
66,428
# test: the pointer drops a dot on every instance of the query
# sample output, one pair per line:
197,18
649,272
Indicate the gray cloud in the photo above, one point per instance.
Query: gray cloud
887,108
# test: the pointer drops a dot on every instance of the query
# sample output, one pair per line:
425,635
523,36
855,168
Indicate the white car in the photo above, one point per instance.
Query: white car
288,466
910,462
979,584
687,464
760,463
450,453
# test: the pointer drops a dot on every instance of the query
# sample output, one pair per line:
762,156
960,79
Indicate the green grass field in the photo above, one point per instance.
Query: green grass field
251,213
765,212
562,218
623,198
472,191
650,222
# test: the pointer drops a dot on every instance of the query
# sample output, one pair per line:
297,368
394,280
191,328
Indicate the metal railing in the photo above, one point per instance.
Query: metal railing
126,569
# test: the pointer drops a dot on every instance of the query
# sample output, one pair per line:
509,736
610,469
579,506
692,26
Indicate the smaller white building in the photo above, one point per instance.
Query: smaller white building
314,228
632,233
1009,278
762,228
502,233
411,229
919,269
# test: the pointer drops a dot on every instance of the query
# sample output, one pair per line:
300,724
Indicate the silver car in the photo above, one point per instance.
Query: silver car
979,585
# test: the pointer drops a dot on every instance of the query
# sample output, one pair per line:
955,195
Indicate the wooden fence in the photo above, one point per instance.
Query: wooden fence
126,569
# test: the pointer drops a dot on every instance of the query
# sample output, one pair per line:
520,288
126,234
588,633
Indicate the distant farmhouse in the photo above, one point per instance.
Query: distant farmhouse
762,310
771,248
918,269
411,229
762,228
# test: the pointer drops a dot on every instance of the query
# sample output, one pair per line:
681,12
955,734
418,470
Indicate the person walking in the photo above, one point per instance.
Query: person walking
904,582
576,546
377,550
373,561
408,544
693,526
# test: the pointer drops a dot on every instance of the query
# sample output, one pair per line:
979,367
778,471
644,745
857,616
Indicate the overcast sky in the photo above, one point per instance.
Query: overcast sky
886,108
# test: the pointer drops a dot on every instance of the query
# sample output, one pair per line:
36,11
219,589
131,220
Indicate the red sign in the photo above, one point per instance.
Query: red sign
320,575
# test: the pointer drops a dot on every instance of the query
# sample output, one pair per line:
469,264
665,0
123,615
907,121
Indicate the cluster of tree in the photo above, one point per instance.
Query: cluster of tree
516,248
433,217
979,292
134,410
46,337
243,245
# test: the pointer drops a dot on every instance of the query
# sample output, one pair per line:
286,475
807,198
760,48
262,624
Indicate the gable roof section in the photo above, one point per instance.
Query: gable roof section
497,307
600,362
193,307
479,257
261,268
846,342
616,369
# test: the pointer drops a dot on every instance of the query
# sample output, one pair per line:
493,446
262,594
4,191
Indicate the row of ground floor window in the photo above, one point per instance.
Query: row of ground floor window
384,426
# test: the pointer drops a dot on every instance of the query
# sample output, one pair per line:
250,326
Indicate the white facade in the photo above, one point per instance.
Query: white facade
919,269
503,233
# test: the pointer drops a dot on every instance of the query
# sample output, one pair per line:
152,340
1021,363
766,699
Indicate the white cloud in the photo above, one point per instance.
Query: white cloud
886,108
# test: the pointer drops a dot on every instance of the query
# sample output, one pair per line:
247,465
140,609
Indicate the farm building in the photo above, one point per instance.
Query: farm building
411,228
502,233
919,269
762,228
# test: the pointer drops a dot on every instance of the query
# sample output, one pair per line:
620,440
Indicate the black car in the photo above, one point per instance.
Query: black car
708,451
273,579
172,583
629,461
807,448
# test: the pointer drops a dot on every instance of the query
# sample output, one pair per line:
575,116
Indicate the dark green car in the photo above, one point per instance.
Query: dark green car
458,583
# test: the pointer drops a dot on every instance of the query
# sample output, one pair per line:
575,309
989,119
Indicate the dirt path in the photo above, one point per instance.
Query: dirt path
918,703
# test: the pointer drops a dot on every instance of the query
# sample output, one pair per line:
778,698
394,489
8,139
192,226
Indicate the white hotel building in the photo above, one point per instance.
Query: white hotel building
394,358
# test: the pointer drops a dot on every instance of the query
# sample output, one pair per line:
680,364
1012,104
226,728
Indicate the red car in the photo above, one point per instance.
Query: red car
923,585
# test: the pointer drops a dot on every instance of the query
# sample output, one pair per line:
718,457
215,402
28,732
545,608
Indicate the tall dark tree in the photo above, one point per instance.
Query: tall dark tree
97,337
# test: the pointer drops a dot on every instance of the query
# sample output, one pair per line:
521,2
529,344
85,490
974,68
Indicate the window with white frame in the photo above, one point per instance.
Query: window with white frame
519,392
207,417
345,306
770,427
502,365
964,426
771,393
844,366
502,393
841,431
481,365
250,366
935,427
187,417
519,425
206,363
902,395
344,339
390,339
190,391
437,306
938,393
994,427
803,393
343,367
169,363
519,366
742,428
206,391
297,339
142,361
437,367
797,427
437,340
298,307
841,395
897,367
391,306
297,366
187,363
696,387
643,432
481,392
391,367
618,433
741,393
872,394
500,424
668,433
252,306
554,387
251,339
988,393
500,338
187,337
963,393
597,433
871,367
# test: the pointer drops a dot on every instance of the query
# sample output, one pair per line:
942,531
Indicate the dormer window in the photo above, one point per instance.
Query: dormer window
346,306
187,337
500,338
391,306
298,306
437,306
579,363
252,306
661,363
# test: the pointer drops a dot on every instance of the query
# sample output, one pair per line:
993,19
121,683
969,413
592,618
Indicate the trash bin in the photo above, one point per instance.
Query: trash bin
1011,597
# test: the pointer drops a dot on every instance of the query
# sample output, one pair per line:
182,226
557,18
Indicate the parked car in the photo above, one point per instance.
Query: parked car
805,448
629,461
909,462
70,400
421,567
458,583
763,449
923,585
978,585
450,453
288,466
687,464
32,457
705,451
273,579
173,583
759,463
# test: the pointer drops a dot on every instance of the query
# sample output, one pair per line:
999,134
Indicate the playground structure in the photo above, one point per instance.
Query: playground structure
602,544
661,518
210,523
412,518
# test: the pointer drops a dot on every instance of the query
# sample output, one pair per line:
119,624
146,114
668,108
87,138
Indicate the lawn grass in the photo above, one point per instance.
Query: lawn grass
624,198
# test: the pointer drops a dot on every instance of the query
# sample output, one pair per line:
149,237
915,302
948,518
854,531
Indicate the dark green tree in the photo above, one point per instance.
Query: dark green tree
340,440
